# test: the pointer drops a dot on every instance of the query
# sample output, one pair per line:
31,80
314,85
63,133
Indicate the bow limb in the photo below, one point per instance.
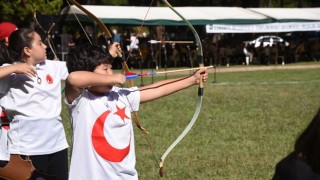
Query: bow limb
124,64
48,36
200,91
97,20
50,42
135,113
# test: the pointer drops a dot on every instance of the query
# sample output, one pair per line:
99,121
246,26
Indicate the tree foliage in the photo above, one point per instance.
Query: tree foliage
112,2
21,12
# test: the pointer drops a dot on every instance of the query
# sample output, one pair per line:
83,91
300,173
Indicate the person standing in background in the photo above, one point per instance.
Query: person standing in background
116,36
247,53
6,28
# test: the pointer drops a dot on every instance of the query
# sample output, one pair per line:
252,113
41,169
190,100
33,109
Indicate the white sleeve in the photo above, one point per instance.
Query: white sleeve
133,98
63,70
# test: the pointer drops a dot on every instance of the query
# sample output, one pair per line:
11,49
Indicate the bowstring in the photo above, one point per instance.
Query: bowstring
200,92
140,29
47,34
79,23
145,134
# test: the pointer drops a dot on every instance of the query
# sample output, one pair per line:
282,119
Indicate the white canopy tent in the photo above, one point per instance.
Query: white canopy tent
290,14
216,19
285,20
135,15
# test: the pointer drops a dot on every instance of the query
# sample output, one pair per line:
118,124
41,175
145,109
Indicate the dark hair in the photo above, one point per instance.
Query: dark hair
4,56
18,40
87,57
307,145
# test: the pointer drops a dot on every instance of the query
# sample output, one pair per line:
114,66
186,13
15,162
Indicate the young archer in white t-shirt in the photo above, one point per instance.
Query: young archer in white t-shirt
103,138
31,90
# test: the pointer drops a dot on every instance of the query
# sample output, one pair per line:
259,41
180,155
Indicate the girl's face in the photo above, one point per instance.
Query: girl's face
105,69
37,52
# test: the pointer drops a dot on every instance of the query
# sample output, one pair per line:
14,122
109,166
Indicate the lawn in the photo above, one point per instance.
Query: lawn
248,122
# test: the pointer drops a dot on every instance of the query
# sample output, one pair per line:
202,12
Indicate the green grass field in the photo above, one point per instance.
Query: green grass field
248,122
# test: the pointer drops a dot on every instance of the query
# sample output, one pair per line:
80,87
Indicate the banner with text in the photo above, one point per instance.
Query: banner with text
263,28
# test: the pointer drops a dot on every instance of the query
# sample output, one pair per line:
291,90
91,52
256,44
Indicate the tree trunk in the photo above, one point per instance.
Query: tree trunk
265,3
281,3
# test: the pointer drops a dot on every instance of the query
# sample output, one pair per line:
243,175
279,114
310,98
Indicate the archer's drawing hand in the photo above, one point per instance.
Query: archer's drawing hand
119,79
198,73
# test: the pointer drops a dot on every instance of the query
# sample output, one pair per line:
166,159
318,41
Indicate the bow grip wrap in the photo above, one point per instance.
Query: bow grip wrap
201,83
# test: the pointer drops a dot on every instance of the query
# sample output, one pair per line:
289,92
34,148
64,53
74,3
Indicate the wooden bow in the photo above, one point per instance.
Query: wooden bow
200,91
48,36
124,64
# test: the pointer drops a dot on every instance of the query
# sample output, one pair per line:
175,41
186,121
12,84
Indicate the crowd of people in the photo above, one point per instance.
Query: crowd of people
222,51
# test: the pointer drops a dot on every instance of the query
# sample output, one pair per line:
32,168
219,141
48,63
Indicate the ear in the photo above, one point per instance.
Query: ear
27,51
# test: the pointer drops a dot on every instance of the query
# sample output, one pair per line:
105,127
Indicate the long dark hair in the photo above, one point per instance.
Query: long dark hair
307,145
4,56
18,40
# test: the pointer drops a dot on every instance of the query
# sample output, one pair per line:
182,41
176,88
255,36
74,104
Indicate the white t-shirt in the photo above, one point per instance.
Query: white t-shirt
134,42
103,138
245,51
4,127
34,109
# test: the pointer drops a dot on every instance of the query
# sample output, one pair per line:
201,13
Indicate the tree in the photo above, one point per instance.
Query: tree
20,12
105,2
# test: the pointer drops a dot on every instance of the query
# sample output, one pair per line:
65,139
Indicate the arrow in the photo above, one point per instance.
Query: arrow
170,42
133,75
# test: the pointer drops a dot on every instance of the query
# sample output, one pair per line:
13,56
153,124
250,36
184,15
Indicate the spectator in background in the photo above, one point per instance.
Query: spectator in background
174,57
116,36
134,42
267,53
66,42
6,28
304,162
247,53
134,51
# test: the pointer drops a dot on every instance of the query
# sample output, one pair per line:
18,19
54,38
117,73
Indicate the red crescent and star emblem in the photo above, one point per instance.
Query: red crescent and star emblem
100,142
122,113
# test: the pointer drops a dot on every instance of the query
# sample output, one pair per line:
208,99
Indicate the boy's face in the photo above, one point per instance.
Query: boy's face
105,69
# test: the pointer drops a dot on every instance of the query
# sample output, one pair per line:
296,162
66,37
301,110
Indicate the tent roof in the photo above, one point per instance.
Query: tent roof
290,14
134,15
216,19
